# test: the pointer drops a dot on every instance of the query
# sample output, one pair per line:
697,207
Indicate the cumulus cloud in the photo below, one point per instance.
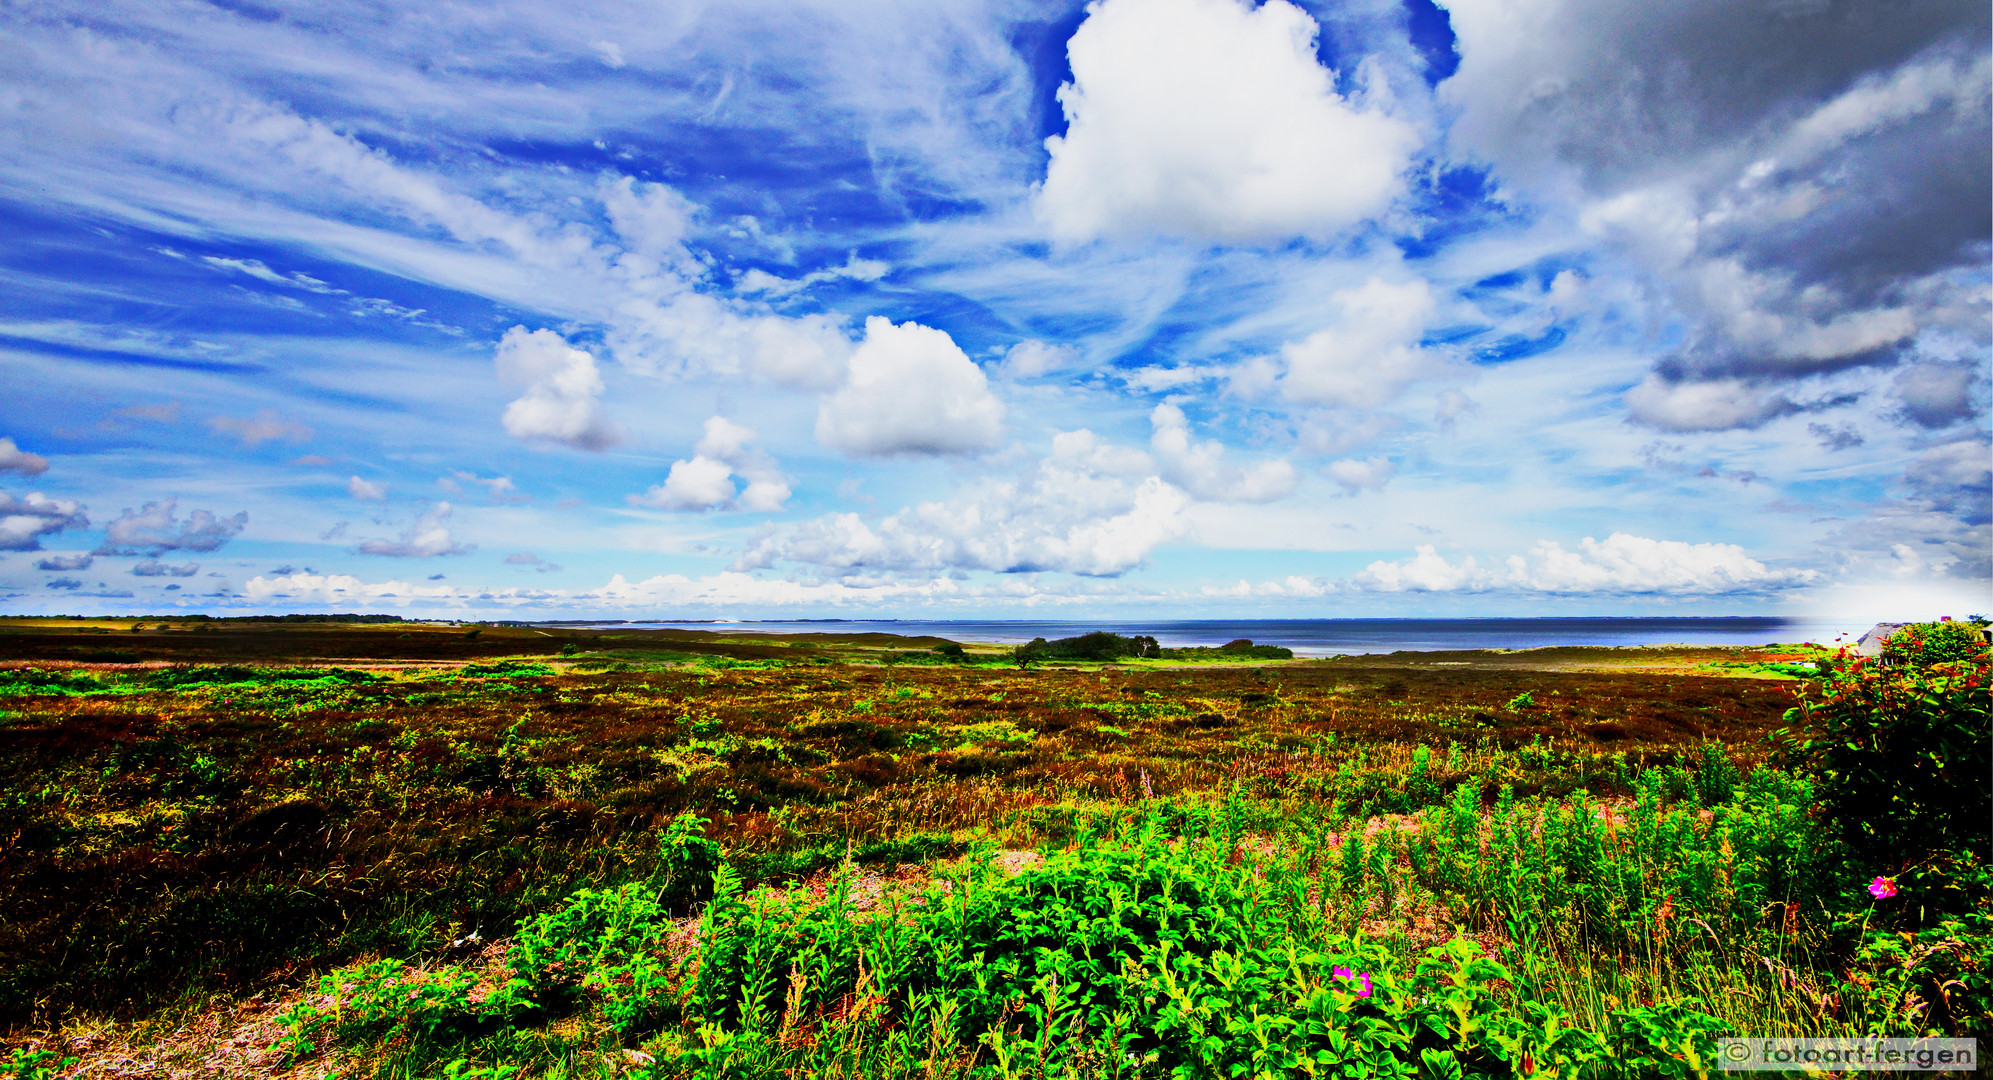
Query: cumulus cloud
1807,183
910,390
1624,563
156,528
1426,571
24,521
16,460
428,536
366,490
1621,563
706,480
64,583
1370,355
1213,119
1065,515
155,568
1368,474
1201,468
562,390
1712,405
64,562
265,426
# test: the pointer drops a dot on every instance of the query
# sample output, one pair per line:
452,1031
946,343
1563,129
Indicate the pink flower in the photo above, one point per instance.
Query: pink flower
1882,888
1362,980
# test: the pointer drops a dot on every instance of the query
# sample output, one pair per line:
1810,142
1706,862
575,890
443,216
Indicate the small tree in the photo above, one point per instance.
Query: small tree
1024,655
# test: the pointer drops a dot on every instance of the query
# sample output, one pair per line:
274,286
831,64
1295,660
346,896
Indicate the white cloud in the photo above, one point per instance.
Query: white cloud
266,426
1201,468
1451,404
339,588
497,489
366,490
1031,359
1425,571
854,269
705,481
428,536
1621,563
910,390
1063,516
723,440
1084,450
1368,474
561,403
23,522
1212,118
16,460
156,528
1370,355
1624,563
650,219
1715,405
699,484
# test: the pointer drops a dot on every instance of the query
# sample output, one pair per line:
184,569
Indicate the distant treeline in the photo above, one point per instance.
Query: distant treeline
182,616
1103,646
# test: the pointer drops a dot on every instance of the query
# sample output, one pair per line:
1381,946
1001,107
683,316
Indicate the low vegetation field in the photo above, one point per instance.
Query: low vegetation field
415,850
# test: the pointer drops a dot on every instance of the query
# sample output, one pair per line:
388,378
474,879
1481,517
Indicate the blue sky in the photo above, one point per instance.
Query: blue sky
1186,307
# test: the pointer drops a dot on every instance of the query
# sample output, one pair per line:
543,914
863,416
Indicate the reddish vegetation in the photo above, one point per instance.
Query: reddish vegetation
216,834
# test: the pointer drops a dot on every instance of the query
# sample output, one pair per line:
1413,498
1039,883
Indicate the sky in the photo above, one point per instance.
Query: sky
896,308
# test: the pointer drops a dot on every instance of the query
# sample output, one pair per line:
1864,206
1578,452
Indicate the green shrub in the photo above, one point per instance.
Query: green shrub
1923,644
1902,756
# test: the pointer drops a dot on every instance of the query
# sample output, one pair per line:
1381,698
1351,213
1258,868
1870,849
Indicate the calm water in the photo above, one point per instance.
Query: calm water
1329,637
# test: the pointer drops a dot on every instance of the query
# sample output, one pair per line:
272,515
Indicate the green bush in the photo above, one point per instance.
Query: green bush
1902,756
1923,644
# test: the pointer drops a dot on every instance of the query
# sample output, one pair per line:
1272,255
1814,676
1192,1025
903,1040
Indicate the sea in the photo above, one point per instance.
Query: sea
1325,637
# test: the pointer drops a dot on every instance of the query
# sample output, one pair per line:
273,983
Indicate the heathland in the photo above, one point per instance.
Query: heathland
412,849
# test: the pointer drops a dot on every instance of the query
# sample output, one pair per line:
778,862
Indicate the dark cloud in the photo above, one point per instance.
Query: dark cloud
1844,437
156,529
65,583
1810,183
1937,395
64,562
1955,479
155,568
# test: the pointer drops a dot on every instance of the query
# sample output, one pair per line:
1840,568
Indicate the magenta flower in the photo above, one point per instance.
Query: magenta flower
1361,979
1882,888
